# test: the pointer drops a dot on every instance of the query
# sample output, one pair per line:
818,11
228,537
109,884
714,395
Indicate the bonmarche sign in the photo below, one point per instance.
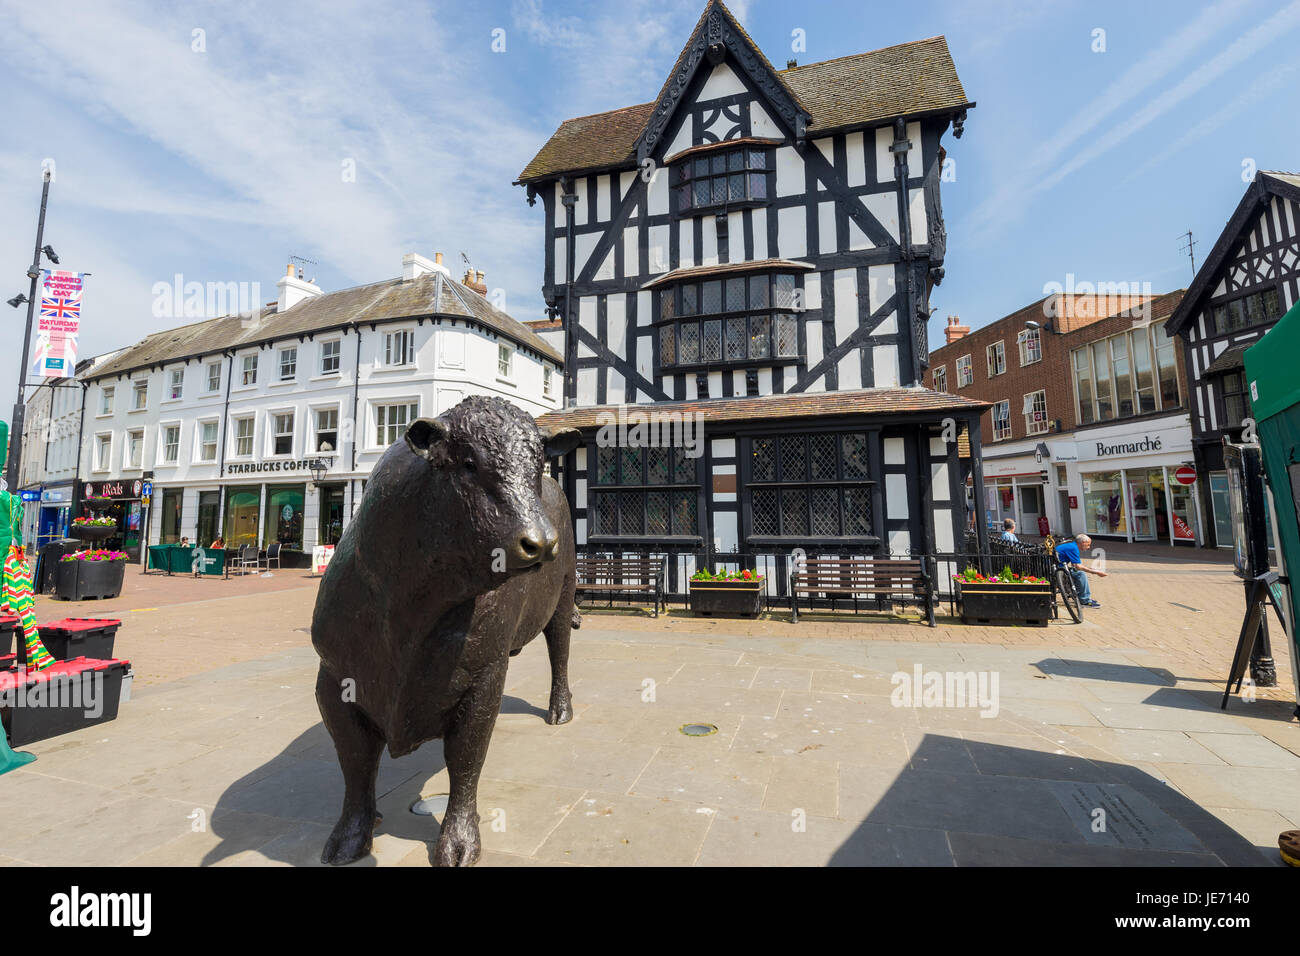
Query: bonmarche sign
1128,448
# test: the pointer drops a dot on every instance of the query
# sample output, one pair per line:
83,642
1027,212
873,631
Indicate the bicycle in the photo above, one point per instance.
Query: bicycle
1063,585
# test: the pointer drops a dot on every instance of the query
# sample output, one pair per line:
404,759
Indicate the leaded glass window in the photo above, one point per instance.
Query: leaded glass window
644,492
810,485
737,320
718,178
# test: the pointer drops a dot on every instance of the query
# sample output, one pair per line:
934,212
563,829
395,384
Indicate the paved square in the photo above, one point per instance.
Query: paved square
1105,745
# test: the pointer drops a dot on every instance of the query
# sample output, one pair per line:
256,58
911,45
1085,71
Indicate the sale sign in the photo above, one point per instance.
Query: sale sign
58,324
1181,530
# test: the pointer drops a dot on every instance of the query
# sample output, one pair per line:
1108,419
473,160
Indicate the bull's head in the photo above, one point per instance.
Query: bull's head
490,454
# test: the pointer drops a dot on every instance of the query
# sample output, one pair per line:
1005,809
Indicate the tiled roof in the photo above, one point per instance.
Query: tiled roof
726,268
865,401
1229,360
858,90
431,294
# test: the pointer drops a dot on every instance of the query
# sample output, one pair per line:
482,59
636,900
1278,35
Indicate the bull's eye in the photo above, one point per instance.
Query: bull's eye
470,466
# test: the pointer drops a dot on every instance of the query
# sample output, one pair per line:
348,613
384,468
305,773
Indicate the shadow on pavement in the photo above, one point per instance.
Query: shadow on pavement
298,794
971,803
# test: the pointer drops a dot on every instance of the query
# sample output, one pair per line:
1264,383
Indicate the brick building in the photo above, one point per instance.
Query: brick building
1088,423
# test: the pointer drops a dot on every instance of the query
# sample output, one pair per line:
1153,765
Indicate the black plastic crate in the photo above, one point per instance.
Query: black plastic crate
74,637
75,694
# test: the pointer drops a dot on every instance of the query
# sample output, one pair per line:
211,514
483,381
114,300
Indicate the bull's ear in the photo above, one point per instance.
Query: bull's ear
426,436
560,441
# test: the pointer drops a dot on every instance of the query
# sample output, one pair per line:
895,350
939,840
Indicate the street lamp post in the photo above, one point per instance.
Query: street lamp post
20,406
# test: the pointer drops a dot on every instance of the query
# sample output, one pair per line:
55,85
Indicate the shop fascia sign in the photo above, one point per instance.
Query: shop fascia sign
1135,443
113,489
265,467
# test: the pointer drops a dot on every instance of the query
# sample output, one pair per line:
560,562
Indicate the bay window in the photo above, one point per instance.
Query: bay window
729,320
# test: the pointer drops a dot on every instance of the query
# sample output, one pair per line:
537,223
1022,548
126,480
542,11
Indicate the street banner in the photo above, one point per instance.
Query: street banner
58,324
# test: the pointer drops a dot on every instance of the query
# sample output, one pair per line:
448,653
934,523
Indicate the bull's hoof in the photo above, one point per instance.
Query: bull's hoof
350,841
458,843
561,709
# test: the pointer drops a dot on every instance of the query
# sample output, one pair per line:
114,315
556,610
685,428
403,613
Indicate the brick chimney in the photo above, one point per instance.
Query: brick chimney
474,280
955,330
293,288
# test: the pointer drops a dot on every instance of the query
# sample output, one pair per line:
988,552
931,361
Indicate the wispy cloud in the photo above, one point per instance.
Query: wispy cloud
1101,125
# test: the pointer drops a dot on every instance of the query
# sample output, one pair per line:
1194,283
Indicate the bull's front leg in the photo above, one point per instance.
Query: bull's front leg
359,746
465,748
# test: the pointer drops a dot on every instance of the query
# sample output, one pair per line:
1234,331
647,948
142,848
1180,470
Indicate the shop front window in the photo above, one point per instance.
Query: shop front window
1182,507
284,515
241,516
1103,503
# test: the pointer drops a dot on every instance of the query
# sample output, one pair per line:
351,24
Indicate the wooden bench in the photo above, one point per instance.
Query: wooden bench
622,573
893,579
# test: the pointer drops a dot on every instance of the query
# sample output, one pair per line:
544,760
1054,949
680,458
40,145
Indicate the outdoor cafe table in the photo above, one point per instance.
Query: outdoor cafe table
179,559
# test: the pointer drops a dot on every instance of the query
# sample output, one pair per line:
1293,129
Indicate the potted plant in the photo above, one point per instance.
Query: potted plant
93,529
1004,598
93,573
738,593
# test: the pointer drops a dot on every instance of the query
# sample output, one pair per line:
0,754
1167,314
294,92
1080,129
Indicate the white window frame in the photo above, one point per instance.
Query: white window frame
207,371
1031,405
1026,353
198,440
965,372
405,354
316,429
996,349
136,391
280,364
338,357
505,362
107,397
244,370
175,384
272,432
413,404
1000,434
128,462
548,381
163,444
235,437
941,378
103,452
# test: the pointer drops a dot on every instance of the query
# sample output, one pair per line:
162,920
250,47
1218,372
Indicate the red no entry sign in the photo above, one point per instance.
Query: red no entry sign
1186,475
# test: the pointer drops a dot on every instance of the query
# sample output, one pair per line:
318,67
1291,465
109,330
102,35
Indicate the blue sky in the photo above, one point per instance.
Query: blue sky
218,154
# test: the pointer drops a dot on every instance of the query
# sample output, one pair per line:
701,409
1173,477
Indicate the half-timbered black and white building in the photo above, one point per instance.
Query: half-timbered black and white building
753,252
1249,281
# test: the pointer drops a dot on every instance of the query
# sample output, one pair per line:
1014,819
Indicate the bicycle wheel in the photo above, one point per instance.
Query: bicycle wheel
1069,596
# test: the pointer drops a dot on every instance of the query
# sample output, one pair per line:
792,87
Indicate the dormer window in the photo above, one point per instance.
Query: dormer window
720,178
729,320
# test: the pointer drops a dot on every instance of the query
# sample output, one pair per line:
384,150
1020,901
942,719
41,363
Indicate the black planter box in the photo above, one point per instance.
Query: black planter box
9,625
75,637
79,580
60,699
730,598
88,532
1002,604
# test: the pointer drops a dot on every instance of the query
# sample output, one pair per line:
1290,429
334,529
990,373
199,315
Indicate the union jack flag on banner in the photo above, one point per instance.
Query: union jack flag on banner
58,325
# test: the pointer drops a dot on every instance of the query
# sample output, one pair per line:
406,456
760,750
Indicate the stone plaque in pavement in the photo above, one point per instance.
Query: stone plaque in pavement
1117,815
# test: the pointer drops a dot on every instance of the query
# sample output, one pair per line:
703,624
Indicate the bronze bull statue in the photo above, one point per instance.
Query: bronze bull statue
460,553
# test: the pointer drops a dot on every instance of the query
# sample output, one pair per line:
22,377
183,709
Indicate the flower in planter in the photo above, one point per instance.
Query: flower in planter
84,522
96,554
746,575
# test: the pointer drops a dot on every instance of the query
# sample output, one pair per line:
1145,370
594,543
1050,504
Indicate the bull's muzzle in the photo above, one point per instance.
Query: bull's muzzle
537,544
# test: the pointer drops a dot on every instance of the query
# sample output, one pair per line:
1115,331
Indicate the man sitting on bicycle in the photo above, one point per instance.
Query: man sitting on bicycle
1069,554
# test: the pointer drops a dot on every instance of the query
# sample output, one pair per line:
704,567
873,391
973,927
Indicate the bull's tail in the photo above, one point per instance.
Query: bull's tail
577,618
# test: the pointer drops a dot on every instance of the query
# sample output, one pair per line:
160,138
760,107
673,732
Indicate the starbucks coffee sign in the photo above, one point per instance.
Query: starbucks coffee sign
269,467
